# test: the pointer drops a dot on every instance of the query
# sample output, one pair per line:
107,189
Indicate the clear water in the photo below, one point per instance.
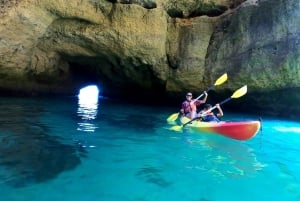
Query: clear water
57,149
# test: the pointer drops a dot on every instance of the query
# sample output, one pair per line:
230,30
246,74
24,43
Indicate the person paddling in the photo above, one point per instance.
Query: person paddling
189,106
210,116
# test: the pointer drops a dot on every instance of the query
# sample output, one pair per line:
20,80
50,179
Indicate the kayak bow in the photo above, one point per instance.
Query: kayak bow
241,130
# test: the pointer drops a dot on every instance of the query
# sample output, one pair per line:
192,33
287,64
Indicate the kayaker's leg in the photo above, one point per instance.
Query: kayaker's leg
188,115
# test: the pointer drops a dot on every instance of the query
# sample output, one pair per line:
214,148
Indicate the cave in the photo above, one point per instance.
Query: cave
113,82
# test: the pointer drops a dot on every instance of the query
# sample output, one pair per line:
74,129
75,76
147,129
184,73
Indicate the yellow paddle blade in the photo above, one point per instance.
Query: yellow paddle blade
173,117
221,79
176,128
240,92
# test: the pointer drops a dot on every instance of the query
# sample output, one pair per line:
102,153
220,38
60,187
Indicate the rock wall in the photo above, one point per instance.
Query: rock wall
160,48
259,44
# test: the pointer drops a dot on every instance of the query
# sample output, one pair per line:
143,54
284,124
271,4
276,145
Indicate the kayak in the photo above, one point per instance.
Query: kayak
241,130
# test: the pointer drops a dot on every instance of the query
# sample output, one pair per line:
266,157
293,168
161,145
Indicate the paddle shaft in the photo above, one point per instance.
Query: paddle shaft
211,109
210,88
219,81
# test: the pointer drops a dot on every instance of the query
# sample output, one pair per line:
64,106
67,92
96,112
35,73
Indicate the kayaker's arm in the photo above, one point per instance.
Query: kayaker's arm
220,113
205,97
181,112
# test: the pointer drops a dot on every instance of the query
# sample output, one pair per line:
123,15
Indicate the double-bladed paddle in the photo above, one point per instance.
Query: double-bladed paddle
238,93
219,81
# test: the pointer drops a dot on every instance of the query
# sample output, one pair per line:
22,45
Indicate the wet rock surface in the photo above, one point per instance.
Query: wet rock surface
159,48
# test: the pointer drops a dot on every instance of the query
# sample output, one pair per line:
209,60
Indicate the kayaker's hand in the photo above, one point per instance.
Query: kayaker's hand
220,114
205,93
201,114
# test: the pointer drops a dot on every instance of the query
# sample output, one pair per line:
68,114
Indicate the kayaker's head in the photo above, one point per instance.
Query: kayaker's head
189,96
207,106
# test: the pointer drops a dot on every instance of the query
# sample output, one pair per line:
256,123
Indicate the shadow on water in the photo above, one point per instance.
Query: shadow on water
134,122
153,175
28,154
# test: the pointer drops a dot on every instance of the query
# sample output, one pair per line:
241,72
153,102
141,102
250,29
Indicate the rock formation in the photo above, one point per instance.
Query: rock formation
154,46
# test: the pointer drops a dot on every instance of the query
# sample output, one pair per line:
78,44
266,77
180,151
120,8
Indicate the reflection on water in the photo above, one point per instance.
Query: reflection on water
225,158
87,108
287,129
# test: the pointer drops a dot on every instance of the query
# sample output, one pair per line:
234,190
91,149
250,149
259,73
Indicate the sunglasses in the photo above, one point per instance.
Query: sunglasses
188,95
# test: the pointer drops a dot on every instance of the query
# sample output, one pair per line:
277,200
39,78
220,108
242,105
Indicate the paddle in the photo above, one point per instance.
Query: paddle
238,93
219,81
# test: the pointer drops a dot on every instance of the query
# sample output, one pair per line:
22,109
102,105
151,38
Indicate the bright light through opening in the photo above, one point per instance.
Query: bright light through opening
88,107
89,94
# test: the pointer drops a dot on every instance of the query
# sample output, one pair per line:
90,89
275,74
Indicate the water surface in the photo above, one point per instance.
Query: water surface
59,148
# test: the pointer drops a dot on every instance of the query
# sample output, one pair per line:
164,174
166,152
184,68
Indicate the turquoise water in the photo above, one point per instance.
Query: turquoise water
58,149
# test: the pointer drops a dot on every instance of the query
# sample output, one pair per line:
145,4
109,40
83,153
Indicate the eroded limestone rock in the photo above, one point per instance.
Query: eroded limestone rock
159,47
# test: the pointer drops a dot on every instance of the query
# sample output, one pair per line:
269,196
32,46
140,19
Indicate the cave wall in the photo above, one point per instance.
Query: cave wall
162,48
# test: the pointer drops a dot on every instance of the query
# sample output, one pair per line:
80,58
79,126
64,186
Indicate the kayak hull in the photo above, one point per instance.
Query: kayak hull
241,130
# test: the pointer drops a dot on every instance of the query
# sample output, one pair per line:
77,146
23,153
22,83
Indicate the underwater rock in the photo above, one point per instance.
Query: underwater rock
28,153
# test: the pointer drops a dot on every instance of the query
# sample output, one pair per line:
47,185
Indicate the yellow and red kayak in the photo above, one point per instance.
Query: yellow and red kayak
241,130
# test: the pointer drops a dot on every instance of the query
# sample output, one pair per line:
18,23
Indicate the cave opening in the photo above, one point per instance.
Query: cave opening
89,94
86,78
113,82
